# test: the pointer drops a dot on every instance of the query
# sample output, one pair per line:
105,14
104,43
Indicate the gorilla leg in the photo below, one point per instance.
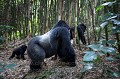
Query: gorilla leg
66,52
68,57
37,55
13,55
22,56
83,39
18,56
35,65
72,32
81,34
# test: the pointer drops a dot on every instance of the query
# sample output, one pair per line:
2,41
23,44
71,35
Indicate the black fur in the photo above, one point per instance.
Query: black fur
55,41
72,32
81,29
19,52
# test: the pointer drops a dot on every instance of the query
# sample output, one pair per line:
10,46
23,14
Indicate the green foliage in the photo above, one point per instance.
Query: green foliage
90,56
4,29
111,59
10,66
108,3
105,4
1,39
1,67
96,57
111,25
97,50
116,29
112,42
4,66
113,74
109,19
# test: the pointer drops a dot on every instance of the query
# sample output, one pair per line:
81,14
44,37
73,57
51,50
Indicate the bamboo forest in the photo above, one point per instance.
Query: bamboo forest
59,39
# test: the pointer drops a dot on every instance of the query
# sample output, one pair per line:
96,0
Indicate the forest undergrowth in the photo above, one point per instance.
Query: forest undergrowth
19,69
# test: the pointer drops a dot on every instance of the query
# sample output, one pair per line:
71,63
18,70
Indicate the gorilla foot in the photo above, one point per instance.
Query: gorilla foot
17,57
71,64
35,66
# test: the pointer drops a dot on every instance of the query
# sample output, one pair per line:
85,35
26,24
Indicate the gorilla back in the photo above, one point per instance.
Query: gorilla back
57,40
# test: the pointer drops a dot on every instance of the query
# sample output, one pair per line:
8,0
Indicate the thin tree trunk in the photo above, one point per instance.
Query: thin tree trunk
70,12
28,10
92,14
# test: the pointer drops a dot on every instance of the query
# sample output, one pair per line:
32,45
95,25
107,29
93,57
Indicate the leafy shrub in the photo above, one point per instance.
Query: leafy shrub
95,58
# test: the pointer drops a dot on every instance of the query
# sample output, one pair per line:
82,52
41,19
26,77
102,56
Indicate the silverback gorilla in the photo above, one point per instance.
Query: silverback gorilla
19,52
55,41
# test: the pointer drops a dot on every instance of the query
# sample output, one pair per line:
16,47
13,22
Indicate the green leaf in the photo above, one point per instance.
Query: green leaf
87,66
5,27
111,58
108,3
82,62
90,56
112,17
104,24
103,41
1,38
10,66
109,50
115,21
88,52
115,29
1,64
113,73
116,74
2,69
101,53
118,56
111,42
105,4
99,8
95,47
106,16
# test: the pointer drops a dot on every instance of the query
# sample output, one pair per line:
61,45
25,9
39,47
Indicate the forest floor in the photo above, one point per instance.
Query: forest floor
53,69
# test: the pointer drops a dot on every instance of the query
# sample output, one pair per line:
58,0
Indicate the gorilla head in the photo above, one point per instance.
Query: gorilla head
61,23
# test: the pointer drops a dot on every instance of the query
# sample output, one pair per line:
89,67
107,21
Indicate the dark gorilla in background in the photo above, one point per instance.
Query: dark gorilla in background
72,32
55,41
19,52
81,29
